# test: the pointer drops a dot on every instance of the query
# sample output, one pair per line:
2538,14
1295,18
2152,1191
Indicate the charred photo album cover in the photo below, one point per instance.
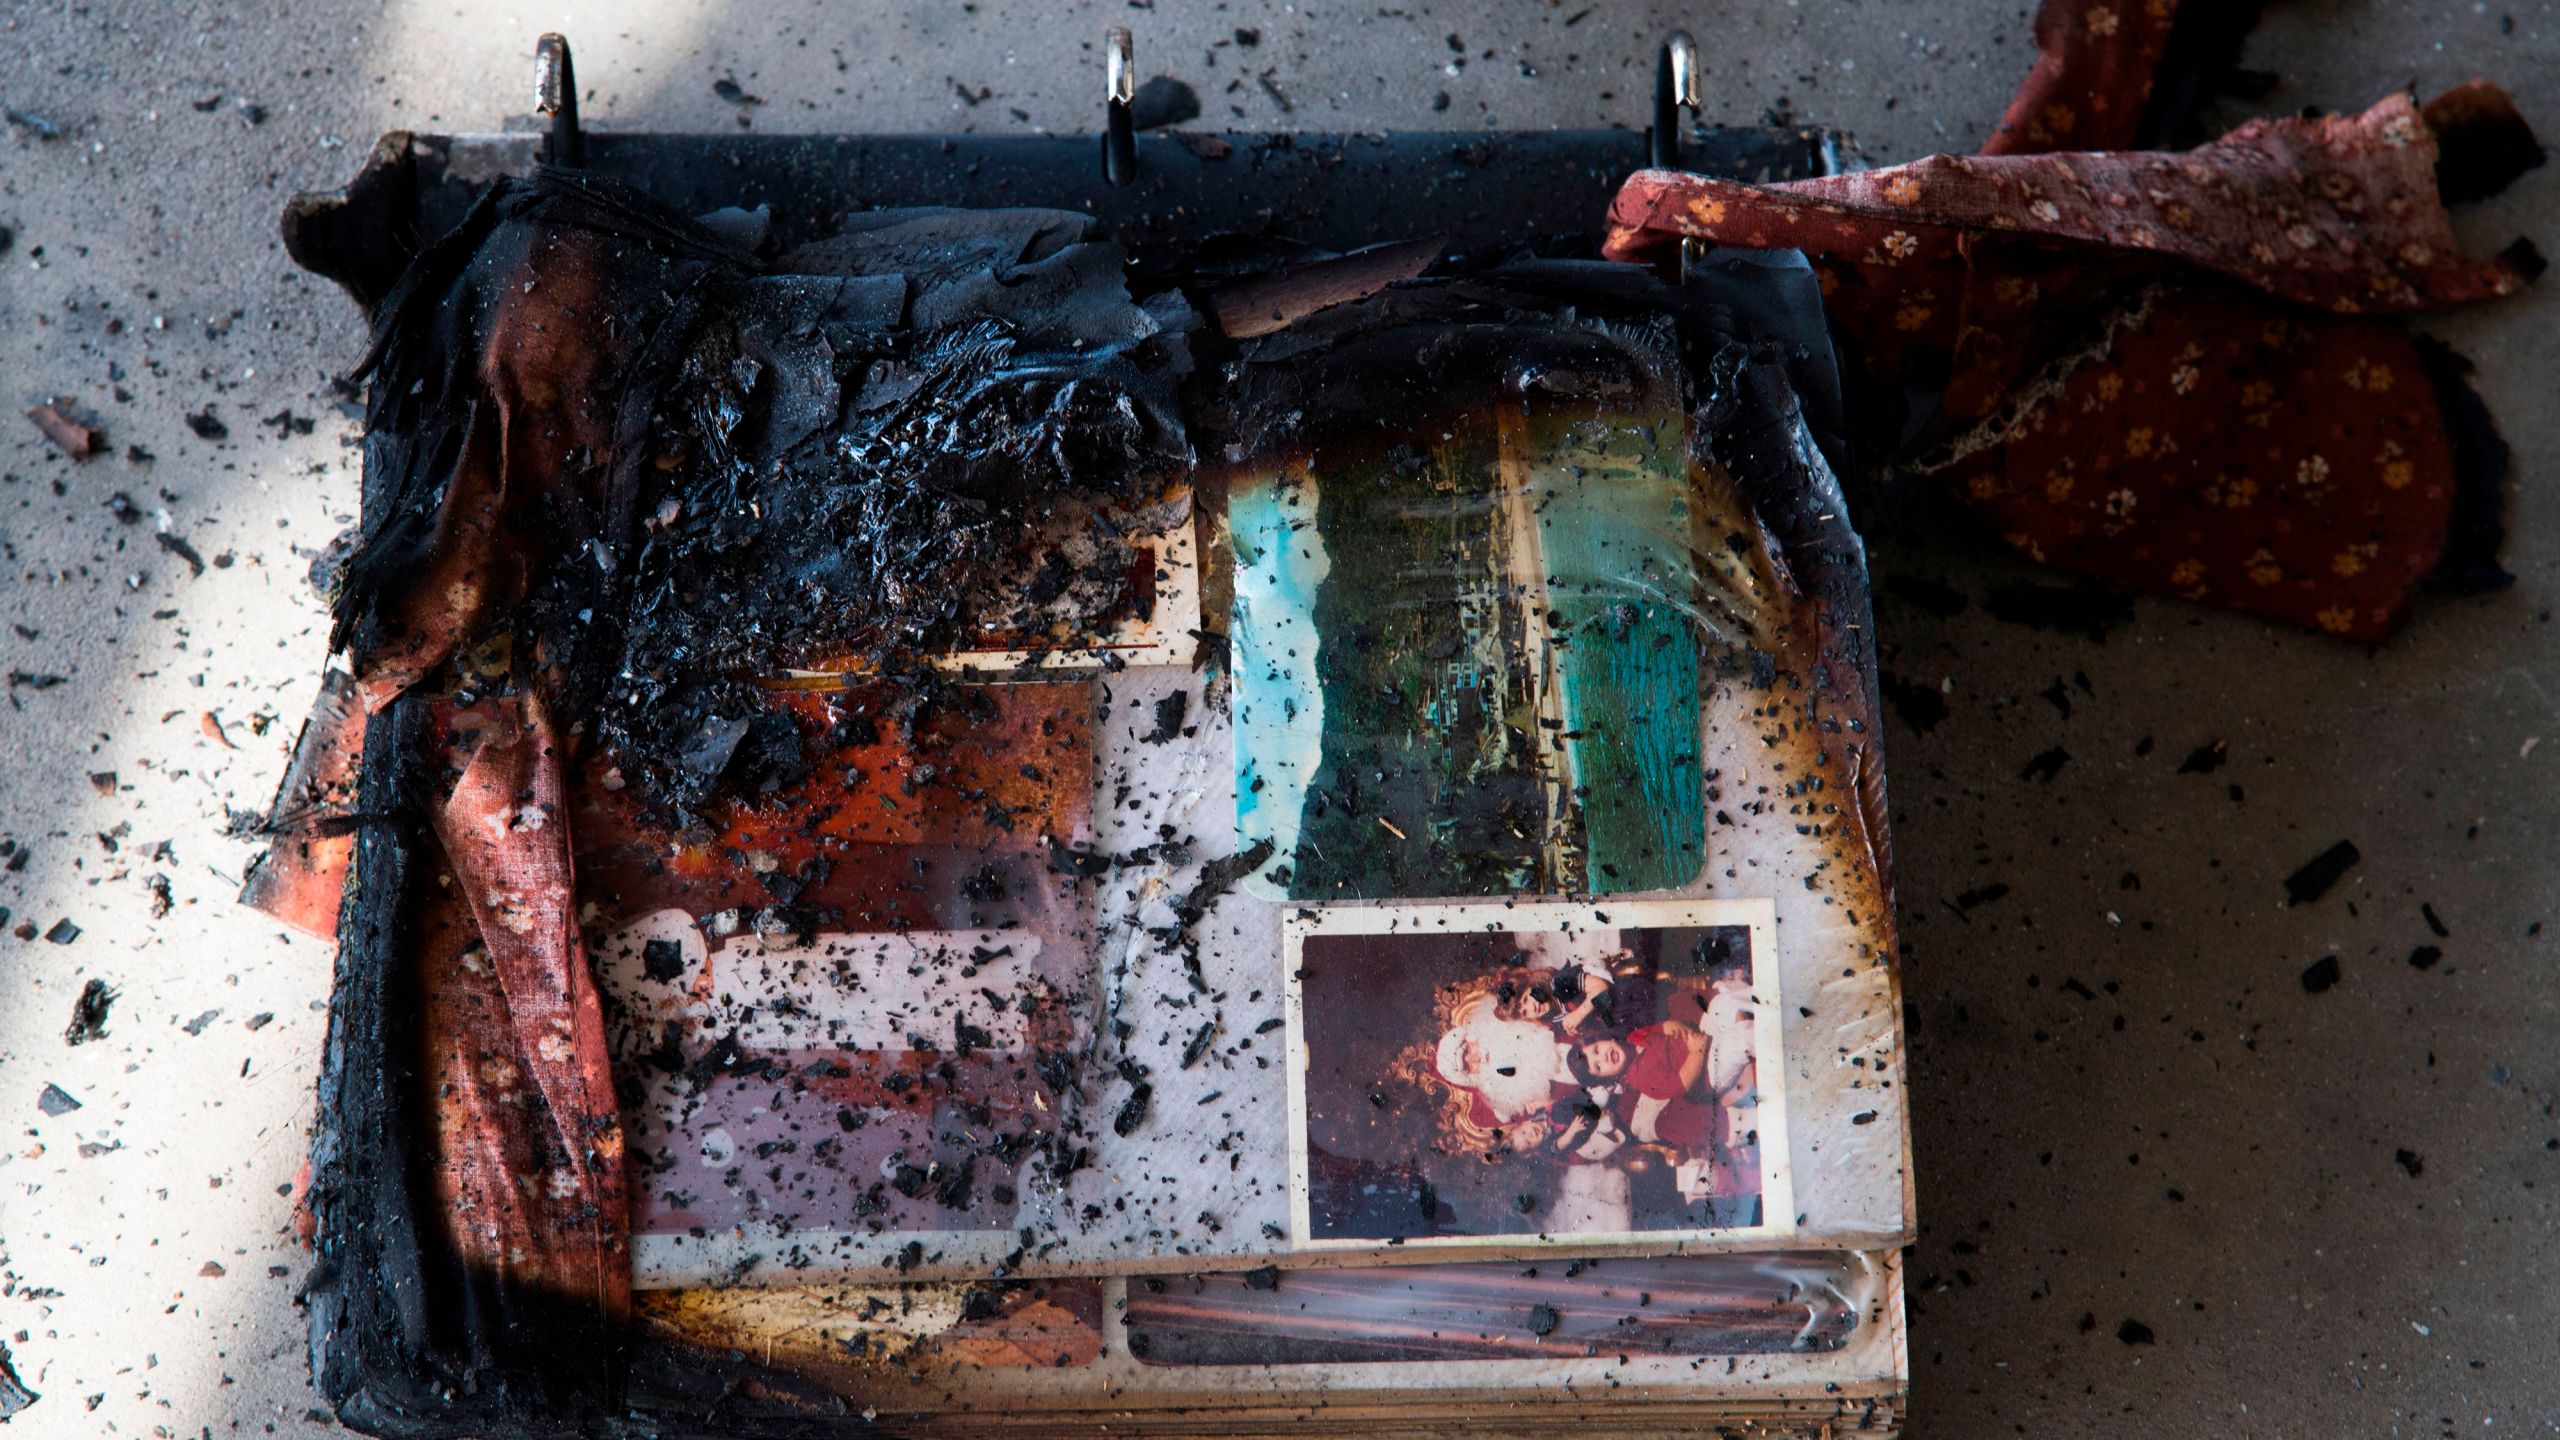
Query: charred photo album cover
1473,1074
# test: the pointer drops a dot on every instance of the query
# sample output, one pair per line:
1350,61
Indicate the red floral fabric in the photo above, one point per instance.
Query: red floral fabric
2309,480
533,1150
2145,367
2092,78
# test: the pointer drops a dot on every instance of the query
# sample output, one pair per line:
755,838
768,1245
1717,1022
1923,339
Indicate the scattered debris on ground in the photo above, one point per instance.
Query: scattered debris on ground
68,435
2323,871
89,1012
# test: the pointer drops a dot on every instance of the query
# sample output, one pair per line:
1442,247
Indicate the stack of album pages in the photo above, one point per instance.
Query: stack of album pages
995,853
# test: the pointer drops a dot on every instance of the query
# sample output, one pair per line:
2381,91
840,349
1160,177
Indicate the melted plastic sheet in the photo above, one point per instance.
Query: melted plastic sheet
1704,1338
1684,1305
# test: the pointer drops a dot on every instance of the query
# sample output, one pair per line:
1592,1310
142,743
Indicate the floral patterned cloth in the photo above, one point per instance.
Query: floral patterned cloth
531,1164
2092,79
2153,368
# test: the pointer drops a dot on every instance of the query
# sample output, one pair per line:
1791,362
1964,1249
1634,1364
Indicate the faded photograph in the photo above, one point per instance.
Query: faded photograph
1588,1073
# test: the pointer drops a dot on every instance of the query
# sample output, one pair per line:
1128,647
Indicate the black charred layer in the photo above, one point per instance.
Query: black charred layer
373,1354
859,441
426,390
821,459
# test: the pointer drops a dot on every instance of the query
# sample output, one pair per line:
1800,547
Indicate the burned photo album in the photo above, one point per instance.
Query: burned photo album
1443,838
1089,1004
1274,856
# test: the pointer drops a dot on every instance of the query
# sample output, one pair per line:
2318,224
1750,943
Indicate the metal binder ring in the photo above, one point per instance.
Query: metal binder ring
1120,129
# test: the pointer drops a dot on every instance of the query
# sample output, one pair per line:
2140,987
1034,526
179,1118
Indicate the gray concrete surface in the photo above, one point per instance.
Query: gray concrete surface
2128,1107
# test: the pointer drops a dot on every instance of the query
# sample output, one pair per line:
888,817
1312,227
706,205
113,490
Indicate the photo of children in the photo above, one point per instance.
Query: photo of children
1524,1072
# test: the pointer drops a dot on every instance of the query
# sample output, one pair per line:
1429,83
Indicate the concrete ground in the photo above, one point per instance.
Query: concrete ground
2333,1213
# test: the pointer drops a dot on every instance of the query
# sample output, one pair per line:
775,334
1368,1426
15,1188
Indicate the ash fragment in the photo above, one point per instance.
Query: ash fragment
68,435
1199,1044
177,545
89,1013
14,1395
40,126
1981,895
1133,1111
1169,716
1918,704
1217,877
2320,873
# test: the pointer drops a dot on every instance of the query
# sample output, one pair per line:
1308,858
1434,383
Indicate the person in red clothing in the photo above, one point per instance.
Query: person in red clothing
1657,1077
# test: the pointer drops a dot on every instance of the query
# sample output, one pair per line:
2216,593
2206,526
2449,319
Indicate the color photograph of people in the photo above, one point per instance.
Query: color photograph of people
1598,1079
